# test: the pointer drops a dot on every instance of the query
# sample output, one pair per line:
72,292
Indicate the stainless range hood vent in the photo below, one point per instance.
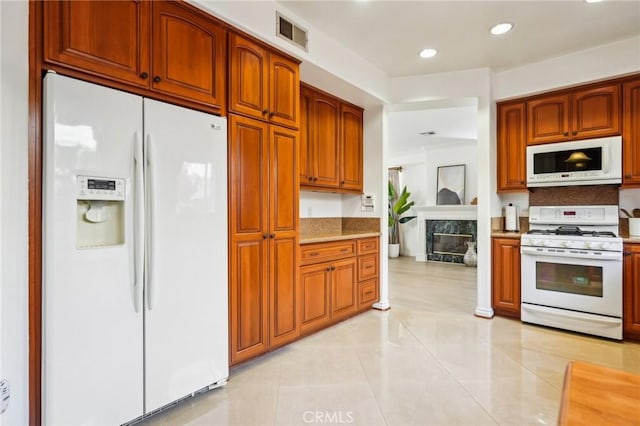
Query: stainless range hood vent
288,30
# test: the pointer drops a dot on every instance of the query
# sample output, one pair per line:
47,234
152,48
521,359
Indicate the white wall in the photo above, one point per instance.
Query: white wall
259,19
598,63
14,208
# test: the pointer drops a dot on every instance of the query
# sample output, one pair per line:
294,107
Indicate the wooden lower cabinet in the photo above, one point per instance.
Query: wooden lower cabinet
315,289
631,278
332,284
505,276
343,288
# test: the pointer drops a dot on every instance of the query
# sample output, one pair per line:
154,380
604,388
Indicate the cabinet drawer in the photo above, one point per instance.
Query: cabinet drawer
367,267
367,293
368,246
320,252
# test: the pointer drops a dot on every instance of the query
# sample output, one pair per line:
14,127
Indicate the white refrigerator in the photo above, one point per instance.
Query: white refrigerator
134,254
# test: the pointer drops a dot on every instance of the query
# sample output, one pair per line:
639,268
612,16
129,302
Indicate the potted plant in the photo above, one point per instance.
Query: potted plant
398,205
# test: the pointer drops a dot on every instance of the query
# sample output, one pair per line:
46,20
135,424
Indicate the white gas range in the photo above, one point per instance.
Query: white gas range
572,269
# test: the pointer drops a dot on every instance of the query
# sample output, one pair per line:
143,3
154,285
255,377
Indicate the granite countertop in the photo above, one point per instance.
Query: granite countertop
632,240
320,230
506,234
345,235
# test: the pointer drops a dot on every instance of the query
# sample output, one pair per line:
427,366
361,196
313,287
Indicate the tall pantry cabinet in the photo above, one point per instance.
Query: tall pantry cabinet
263,199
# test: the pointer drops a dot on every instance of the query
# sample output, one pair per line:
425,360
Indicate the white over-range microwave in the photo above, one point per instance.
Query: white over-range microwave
584,162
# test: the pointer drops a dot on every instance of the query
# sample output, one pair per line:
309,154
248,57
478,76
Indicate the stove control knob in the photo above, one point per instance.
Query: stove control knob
605,246
595,245
538,242
525,242
576,244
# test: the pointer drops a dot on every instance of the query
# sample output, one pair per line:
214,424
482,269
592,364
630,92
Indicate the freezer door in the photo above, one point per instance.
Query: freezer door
186,343
92,352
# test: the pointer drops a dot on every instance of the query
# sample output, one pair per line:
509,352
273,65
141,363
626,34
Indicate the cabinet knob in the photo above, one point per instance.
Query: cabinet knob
271,114
342,183
157,79
333,268
566,133
265,111
310,178
521,182
315,179
144,75
626,253
328,268
575,132
265,236
627,176
272,236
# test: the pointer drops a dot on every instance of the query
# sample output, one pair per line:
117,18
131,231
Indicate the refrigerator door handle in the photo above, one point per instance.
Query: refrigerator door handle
150,288
138,228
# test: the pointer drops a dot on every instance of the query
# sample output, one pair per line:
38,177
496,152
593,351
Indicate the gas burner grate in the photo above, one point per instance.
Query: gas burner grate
571,231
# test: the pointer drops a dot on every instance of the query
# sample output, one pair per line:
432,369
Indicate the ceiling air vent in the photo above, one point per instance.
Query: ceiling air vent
285,28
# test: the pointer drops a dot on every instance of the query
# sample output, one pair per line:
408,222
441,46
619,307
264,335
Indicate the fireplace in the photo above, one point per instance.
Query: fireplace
450,244
454,225
446,239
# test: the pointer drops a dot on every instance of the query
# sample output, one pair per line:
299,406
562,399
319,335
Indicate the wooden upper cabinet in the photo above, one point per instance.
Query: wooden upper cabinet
596,112
305,153
106,38
631,134
331,143
351,155
248,74
511,147
548,119
189,54
168,47
262,84
326,141
284,91
591,112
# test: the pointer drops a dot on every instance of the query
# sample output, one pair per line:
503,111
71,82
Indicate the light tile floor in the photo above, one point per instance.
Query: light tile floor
427,361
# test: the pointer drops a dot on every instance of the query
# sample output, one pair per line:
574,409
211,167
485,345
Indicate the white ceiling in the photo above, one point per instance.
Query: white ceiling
389,34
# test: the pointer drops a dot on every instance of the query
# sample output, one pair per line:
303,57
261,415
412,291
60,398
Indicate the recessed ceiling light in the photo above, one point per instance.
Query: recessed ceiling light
593,1
428,53
501,28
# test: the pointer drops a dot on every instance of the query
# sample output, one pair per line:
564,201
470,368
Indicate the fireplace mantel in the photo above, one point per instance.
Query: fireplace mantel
448,212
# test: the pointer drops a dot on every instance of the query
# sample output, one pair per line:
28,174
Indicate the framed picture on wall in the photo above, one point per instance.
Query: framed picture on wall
451,184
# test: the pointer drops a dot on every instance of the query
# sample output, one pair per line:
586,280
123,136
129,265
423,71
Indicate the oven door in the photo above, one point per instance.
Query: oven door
589,283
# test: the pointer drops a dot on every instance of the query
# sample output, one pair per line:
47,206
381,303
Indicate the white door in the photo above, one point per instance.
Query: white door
186,343
92,334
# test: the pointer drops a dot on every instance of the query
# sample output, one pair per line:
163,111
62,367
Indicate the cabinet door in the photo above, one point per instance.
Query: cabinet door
249,250
511,147
284,91
351,155
506,277
283,181
283,225
189,56
106,38
548,119
326,134
343,288
306,168
631,314
314,296
283,291
248,78
631,135
595,112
